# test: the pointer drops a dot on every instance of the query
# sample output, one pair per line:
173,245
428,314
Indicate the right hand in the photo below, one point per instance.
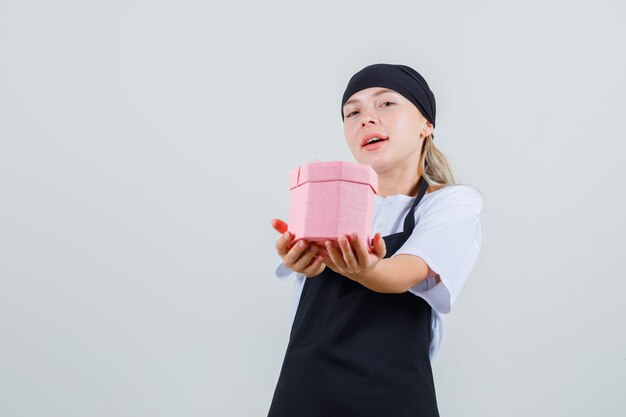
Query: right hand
302,257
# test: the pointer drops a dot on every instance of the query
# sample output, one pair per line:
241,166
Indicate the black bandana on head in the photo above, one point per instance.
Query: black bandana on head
400,78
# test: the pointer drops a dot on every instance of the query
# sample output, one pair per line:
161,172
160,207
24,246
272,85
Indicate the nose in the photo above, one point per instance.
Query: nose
368,119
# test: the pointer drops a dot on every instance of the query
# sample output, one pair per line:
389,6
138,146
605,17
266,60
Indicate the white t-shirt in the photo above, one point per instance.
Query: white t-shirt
447,236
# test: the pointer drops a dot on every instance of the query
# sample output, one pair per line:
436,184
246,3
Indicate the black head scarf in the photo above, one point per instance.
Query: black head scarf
400,78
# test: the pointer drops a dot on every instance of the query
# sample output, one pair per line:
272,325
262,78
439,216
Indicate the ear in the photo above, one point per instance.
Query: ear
427,129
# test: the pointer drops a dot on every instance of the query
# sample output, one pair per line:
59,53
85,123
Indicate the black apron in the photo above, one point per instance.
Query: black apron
354,352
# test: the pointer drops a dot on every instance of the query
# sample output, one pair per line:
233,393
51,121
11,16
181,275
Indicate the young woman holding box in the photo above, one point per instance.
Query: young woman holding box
366,321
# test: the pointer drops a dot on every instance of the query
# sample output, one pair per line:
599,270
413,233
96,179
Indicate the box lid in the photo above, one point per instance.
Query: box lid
333,171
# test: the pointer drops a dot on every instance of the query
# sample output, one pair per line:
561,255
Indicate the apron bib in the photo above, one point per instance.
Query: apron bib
354,352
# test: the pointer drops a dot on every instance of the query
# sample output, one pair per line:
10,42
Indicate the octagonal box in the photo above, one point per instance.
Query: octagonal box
332,199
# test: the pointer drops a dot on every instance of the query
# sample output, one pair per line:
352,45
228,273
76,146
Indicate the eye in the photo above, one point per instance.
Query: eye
350,114
390,102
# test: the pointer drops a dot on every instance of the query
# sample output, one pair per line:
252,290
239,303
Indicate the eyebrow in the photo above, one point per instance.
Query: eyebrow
379,92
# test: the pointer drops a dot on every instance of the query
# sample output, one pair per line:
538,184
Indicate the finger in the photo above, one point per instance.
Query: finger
309,253
360,249
329,262
315,267
325,255
347,252
380,248
335,255
284,244
294,253
279,225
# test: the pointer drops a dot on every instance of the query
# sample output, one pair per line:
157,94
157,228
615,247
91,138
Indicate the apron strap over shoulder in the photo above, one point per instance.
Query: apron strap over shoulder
409,220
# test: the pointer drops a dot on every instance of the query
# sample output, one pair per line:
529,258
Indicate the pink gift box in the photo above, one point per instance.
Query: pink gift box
332,199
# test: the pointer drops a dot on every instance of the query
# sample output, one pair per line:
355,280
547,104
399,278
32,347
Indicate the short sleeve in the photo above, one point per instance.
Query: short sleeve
283,273
447,236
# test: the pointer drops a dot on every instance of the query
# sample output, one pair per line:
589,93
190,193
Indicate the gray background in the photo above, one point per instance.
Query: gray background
145,147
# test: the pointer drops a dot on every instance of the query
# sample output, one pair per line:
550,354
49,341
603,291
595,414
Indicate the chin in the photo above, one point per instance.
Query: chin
378,166
379,163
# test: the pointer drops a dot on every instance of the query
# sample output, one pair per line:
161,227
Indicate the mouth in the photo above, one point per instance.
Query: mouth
373,138
374,145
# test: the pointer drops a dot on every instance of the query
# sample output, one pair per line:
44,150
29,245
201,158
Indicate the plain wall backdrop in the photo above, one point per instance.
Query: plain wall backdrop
145,146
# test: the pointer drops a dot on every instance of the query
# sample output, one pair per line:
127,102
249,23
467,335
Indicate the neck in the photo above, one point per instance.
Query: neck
395,183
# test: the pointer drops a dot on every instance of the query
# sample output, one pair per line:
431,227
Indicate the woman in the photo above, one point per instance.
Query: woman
363,334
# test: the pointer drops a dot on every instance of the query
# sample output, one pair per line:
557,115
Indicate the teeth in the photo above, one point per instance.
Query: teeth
372,139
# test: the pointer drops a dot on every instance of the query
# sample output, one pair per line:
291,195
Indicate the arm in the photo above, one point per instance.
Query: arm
395,275
369,268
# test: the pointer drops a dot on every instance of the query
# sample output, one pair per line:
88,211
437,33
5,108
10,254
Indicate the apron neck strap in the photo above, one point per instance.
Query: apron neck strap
409,220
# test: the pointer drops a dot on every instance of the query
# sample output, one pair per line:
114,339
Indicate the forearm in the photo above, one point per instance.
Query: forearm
394,275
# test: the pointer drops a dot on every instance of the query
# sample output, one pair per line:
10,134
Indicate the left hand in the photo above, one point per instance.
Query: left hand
352,258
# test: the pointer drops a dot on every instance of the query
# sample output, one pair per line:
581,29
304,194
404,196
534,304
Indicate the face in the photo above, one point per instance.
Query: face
384,113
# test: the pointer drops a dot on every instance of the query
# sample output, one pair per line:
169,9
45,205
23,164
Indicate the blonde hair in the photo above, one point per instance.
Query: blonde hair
434,166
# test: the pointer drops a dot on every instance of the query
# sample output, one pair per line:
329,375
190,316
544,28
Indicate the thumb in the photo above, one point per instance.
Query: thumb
279,225
380,248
